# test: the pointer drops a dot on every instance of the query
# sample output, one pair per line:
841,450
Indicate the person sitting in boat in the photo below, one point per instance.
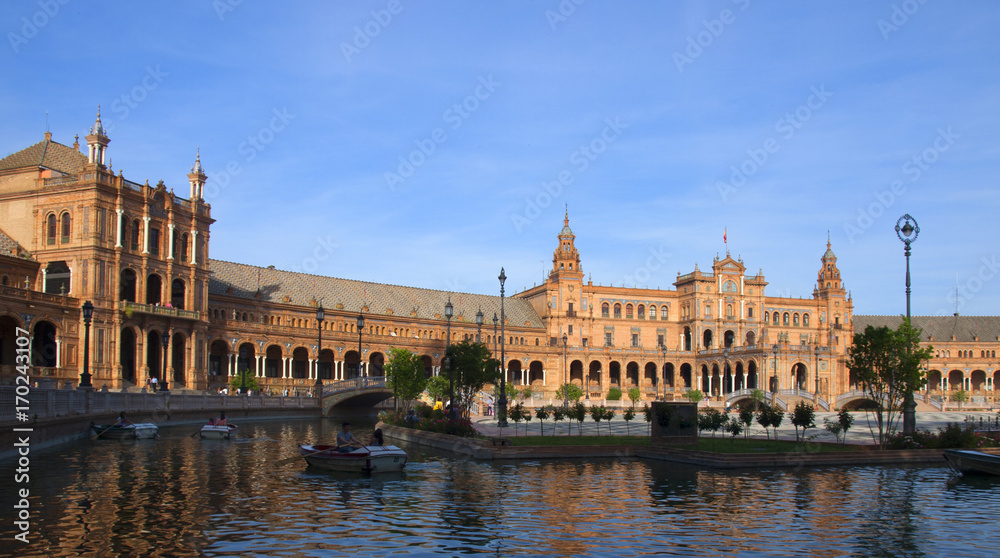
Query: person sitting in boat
346,440
221,421
122,421
377,439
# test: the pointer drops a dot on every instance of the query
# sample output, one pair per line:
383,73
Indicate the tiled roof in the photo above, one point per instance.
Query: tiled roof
9,247
48,154
940,328
244,281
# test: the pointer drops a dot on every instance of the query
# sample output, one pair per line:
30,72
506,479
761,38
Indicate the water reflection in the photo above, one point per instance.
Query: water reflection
181,495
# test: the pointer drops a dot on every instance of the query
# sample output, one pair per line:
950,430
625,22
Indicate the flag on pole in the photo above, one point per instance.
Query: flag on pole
724,236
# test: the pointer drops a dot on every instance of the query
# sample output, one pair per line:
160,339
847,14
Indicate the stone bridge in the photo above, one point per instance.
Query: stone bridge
356,393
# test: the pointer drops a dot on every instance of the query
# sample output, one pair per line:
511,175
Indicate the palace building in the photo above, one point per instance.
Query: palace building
71,230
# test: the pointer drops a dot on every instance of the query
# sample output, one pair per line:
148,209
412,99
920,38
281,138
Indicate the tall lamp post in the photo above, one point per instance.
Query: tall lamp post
88,313
320,316
816,393
908,233
242,372
361,329
502,402
663,349
774,376
565,374
449,310
163,381
479,326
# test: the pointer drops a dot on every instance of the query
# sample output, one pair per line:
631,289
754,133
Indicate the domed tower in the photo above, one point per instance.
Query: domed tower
566,260
97,142
834,306
197,178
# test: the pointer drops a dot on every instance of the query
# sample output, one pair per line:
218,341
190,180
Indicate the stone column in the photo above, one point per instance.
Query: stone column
170,241
145,235
118,230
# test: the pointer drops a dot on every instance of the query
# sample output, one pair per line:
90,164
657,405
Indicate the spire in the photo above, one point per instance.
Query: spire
197,178
97,142
566,258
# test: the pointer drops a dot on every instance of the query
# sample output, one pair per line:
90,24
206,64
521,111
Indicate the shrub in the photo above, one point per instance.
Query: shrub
614,394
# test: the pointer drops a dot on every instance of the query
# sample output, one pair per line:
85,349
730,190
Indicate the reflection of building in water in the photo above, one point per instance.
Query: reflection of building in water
74,230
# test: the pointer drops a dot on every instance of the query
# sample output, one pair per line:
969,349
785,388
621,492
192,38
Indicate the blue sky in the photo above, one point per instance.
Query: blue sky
423,143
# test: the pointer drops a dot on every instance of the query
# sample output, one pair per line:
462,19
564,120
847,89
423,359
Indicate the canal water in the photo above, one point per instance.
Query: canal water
182,496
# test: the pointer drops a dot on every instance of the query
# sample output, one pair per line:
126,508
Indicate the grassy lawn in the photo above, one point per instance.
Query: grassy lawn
718,445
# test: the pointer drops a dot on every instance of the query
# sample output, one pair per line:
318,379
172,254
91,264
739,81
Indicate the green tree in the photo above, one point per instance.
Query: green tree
846,420
634,394
735,427
609,415
580,414
804,416
251,382
628,415
834,428
572,392
770,415
694,395
437,388
960,396
746,418
614,394
757,396
647,413
542,413
524,394
516,414
405,376
558,413
473,368
597,413
886,364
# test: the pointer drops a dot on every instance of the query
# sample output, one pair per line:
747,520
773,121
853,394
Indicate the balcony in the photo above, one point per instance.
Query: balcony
159,310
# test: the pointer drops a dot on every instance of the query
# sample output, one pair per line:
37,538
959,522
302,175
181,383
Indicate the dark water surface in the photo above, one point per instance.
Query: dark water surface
182,496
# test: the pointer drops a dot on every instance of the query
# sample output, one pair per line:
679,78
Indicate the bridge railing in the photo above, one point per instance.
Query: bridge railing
362,382
51,403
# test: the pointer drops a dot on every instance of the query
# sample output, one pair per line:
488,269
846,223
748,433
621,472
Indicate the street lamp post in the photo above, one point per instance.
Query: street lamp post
479,326
565,374
88,313
663,349
449,310
502,402
361,328
908,233
774,377
816,393
163,381
243,372
320,316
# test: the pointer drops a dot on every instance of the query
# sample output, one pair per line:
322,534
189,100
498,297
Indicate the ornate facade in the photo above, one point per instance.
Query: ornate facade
73,230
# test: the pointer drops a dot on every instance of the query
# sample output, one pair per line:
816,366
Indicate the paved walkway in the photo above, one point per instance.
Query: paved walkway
860,433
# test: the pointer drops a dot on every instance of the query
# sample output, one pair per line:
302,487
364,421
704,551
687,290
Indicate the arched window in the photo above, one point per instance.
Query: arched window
628,311
641,312
663,312
604,310
795,319
774,319
729,310
784,319
66,228
805,320
618,310
50,229
135,235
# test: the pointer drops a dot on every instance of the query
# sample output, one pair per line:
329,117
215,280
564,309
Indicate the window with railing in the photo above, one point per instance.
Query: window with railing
604,310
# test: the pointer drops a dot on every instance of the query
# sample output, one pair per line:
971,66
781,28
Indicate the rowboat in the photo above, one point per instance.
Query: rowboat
127,432
366,459
970,462
215,432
